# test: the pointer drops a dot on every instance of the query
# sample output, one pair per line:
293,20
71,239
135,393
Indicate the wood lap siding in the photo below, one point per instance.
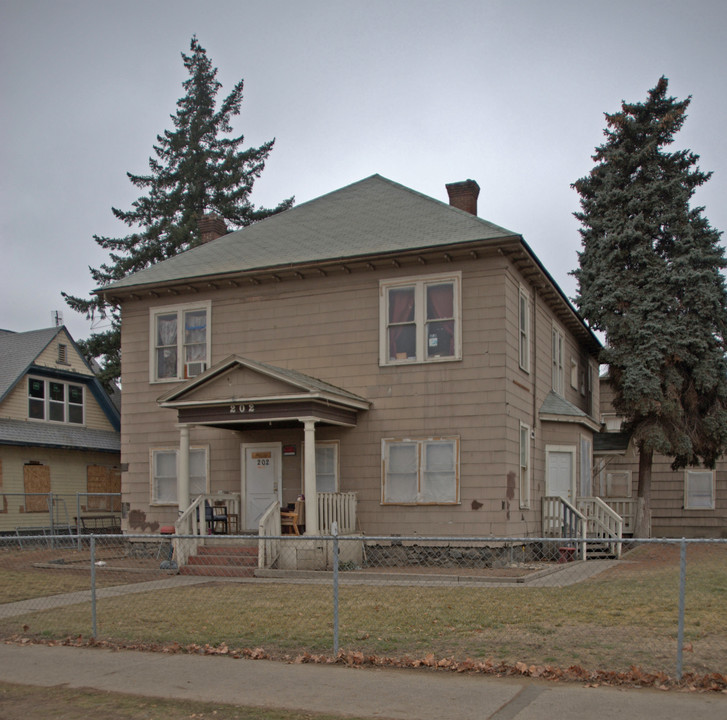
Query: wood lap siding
36,479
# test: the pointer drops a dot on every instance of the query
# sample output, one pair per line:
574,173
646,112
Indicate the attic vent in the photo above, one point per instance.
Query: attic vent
62,354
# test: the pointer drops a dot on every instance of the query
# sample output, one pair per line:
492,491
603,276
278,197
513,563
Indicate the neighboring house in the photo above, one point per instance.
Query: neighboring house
59,433
690,502
372,341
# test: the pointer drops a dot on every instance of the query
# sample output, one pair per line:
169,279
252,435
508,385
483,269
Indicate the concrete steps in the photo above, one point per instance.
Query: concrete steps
222,561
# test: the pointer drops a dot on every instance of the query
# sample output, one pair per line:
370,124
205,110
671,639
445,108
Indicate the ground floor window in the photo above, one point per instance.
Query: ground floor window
699,490
327,467
524,466
164,463
420,471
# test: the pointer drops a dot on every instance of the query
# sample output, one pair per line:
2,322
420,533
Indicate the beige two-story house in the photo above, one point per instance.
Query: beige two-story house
372,343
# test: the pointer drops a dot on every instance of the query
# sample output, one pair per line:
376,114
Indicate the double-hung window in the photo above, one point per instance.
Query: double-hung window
524,330
327,467
420,319
699,490
557,360
524,466
55,401
180,338
164,474
422,471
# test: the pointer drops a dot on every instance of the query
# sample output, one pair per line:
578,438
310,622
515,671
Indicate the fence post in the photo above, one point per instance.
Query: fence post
93,586
334,532
682,592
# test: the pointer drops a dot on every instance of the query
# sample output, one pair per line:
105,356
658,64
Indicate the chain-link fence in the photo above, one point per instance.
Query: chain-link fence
660,607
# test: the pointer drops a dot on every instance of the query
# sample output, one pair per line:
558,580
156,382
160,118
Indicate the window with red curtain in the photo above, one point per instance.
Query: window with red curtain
440,320
420,319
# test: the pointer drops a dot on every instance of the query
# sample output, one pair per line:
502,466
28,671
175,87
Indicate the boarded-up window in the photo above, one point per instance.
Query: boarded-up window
36,479
101,480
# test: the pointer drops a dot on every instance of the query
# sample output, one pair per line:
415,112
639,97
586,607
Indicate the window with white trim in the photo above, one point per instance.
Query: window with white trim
699,490
524,466
180,338
524,330
326,466
164,464
420,320
55,401
420,472
557,360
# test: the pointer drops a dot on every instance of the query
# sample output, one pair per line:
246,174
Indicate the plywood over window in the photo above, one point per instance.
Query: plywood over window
36,479
101,479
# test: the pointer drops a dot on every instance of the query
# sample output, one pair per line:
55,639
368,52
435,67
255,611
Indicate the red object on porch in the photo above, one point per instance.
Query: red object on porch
166,530
567,554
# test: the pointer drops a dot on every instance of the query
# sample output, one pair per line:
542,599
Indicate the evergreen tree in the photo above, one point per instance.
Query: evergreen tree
198,169
650,278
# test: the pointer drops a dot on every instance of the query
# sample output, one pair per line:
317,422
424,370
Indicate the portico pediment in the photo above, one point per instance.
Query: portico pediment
243,391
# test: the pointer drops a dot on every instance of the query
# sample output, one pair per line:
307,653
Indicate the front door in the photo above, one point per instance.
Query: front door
261,480
559,480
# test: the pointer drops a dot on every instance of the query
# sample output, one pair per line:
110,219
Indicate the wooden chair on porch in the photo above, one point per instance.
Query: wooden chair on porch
292,521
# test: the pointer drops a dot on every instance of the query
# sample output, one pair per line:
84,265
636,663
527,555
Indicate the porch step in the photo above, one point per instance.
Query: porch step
221,561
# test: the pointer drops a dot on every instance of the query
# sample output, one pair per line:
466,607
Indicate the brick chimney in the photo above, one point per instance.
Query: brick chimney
211,227
463,195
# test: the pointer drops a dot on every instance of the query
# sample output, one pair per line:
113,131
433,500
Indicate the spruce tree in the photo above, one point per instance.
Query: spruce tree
198,169
650,278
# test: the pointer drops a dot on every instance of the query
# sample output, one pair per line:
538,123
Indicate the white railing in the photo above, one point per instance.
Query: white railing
339,508
602,522
626,509
268,548
193,521
563,520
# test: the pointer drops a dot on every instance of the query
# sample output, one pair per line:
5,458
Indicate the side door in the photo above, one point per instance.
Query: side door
261,480
560,473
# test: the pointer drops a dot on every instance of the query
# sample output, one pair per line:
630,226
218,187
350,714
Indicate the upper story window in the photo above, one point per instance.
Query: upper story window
524,330
558,349
420,320
55,401
180,338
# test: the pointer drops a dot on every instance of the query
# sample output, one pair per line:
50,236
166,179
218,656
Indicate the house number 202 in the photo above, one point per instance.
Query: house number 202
262,462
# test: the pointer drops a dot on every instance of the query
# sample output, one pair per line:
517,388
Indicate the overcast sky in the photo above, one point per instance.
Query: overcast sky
511,94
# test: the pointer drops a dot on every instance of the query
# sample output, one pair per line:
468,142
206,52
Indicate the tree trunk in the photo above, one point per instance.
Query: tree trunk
642,523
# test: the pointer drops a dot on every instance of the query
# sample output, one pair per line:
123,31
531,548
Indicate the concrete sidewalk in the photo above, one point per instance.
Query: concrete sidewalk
342,691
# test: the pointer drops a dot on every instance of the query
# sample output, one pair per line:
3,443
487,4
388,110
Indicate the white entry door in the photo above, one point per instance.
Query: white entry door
261,480
560,480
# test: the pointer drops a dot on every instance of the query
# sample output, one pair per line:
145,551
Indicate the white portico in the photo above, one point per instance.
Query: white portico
250,397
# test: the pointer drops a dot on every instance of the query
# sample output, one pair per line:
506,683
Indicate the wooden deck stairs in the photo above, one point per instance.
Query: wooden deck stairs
230,561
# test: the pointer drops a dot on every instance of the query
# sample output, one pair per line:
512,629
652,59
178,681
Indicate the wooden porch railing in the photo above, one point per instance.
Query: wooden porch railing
626,509
338,507
193,522
602,522
563,520
268,547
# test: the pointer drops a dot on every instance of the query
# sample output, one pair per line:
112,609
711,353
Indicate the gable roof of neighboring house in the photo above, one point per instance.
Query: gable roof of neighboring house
18,354
18,351
359,224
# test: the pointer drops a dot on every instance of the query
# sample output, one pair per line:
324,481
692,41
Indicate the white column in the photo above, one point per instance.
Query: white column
309,478
183,469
